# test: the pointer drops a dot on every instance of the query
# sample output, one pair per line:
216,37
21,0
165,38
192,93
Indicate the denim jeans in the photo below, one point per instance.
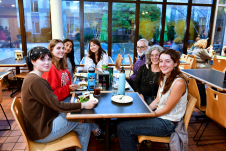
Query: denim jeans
148,99
128,130
61,127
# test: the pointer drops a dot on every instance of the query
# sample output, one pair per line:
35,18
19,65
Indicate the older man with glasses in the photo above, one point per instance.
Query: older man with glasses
142,46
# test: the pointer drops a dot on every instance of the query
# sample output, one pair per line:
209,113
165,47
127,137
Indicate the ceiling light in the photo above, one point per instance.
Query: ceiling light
13,5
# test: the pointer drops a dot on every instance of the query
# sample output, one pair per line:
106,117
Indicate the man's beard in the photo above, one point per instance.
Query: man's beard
141,53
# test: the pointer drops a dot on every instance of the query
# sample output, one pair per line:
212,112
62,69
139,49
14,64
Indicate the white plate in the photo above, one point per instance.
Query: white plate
81,74
81,88
83,83
124,99
90,98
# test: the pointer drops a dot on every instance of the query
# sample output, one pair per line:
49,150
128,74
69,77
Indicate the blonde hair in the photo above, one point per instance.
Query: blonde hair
149,51
201,43
62,64
177,40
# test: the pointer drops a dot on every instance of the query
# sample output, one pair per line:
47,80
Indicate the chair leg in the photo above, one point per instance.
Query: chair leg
197,143
6,119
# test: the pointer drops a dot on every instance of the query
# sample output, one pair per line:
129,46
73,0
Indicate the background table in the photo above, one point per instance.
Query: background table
110,61
212,77
109,109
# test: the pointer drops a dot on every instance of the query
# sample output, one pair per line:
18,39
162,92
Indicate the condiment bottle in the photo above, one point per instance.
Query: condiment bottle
104,84
122,82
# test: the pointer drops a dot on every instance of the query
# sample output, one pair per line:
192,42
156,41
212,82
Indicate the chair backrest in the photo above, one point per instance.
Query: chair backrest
194,91
190,61
118,62
216,106
194,65
219,64
183,57
131,62
189,109
1,83
18,115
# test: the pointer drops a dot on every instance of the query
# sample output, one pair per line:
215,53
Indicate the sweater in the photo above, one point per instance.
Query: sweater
142,83
201,55
136,66
40,106
59,80
89,62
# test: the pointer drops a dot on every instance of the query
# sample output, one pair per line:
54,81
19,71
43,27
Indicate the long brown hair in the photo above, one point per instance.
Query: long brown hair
62,64
100,51
175,56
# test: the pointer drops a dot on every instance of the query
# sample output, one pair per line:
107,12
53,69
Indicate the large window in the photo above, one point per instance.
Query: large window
10,35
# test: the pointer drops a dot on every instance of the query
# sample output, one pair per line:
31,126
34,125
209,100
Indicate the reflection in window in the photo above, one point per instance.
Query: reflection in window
222,1
203,1
10,38
175,27
153,0
178,1
71,25
96,23
37,25
123,30
219,36
150,20
199,25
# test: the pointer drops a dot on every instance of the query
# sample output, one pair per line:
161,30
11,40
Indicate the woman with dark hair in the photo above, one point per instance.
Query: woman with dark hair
58,76
96,56
69,53
47,123
169,106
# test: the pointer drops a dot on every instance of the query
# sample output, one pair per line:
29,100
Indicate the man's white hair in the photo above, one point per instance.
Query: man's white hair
145,41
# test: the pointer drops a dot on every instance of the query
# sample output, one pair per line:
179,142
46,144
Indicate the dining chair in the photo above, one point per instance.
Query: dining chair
187,66
118,62
219,64
131,64
189,109
194,64
66,141
1,83
184,57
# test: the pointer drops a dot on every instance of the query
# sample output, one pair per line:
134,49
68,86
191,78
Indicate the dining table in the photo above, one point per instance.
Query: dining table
107,108
211,77
110,61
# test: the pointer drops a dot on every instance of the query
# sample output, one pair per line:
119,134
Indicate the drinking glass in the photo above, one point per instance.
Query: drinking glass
96,91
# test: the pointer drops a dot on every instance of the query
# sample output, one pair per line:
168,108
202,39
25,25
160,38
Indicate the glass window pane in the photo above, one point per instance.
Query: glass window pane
71,26
222,1
199,24
178,1
96,23
220,36
176,16
202,1
37,24
10,37
153,0
123,30
150,20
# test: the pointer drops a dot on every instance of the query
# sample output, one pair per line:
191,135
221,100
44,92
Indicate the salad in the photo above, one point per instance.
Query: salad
83,99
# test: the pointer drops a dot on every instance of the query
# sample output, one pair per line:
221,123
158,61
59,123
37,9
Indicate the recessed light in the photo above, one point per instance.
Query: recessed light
13,5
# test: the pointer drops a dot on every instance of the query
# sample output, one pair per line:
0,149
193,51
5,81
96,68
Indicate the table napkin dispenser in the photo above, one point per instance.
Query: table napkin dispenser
101,76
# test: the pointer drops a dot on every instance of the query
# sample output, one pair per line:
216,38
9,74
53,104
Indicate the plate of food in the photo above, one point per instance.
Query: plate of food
83,83
122,99
85,98
81,88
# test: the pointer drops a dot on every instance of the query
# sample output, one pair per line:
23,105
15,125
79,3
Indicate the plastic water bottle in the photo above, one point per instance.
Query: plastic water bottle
122,82
91,78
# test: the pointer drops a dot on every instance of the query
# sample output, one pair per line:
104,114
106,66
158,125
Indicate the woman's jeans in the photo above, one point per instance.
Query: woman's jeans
128,130
148,99
61,127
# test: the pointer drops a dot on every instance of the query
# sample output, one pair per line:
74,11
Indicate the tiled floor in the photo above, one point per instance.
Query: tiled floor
13,140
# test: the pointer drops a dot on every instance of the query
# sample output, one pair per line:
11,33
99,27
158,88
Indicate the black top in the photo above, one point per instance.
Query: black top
146,81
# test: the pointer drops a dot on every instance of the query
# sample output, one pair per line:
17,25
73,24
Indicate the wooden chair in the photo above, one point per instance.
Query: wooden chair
131,64
184,57
189,66
219,64
118,62
194,64
190,107
1,83
68,140
215,109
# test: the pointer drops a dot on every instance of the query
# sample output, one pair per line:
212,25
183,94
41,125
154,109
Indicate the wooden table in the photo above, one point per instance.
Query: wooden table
110,61
11,62
209,76
108,109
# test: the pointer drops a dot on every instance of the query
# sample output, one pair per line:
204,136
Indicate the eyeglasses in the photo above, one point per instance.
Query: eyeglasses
142,47
157,56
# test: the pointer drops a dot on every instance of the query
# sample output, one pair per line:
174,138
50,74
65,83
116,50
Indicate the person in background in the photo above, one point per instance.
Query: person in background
146,81
96,56
69,53
204,35
223,53
193,46
177,45
169,106
46,123
142,47
58,76
201,54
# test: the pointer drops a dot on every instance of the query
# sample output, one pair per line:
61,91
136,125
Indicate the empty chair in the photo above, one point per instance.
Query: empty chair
194,65
69,140
184,57
118,62
187,66
190,107
219,64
